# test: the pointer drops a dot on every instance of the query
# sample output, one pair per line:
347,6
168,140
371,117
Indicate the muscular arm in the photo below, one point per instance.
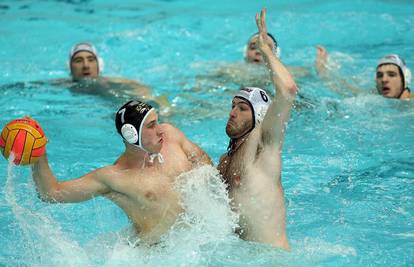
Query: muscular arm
273,127
77,190
194,153
275,120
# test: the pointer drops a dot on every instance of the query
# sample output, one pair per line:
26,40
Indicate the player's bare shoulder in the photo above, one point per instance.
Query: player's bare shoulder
171,132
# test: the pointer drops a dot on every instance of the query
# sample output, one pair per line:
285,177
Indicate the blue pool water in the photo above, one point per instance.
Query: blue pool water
347,161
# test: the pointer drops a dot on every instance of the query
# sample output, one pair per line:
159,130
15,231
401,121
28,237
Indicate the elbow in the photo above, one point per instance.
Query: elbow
289,91
47,198
292,88
50,196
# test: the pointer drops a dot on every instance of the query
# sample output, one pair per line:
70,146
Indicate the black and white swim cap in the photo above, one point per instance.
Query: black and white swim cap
87,47
130,120
399,62
259,101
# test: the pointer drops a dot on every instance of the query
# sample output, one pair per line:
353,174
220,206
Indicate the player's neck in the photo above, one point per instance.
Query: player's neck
137,158
235,145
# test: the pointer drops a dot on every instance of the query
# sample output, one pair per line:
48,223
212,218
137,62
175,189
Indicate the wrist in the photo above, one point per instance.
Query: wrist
266,52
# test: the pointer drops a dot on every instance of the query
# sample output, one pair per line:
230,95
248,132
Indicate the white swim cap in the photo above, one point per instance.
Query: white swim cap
275,49
259,102
88,47
399,62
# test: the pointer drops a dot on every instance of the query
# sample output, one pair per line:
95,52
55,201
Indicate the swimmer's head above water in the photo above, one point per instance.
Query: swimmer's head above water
393,77
84,62
249,107
252,55
137,123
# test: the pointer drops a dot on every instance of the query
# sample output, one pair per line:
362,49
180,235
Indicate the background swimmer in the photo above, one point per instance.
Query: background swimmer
86,67
392,77
252,71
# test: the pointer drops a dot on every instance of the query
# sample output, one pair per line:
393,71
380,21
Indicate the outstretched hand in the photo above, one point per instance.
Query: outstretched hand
321,61
261,43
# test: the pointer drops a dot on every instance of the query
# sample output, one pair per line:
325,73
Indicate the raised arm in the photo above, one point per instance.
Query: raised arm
274,123
77,190
331,78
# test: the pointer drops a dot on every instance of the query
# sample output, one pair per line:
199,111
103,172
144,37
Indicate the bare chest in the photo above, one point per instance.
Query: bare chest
147,193
231,169
249,168
150,202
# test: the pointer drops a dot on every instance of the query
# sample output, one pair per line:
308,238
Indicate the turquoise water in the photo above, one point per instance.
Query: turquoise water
347,163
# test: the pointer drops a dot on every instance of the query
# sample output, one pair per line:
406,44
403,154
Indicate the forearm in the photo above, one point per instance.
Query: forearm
199,157
280,76
205,159
274,123
281,235
46,183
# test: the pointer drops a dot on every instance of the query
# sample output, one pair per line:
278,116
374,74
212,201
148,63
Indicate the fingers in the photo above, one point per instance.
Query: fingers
263,17
321,50
261,21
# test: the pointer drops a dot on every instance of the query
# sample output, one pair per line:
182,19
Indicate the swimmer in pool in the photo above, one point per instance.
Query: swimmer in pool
392,77
86,67
252,165
252,71
141,180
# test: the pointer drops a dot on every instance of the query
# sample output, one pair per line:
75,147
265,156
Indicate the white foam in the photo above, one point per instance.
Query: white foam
207,223
44,244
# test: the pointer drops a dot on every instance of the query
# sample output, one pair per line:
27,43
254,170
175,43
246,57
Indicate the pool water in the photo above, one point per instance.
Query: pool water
347,160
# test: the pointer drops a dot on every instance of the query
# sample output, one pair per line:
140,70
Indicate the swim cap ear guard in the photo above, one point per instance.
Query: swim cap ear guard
276,49
258,100
88,47
130,134
399,62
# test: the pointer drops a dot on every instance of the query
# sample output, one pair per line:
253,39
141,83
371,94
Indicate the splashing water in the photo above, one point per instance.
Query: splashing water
45,244
207,224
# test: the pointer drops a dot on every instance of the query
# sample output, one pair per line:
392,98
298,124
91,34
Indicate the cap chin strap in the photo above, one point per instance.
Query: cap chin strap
232,147
156,155
151,156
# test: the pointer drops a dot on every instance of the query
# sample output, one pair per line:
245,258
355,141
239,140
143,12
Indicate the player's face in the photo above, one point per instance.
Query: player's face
152,135
84,65
240,119
389,81
253,55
